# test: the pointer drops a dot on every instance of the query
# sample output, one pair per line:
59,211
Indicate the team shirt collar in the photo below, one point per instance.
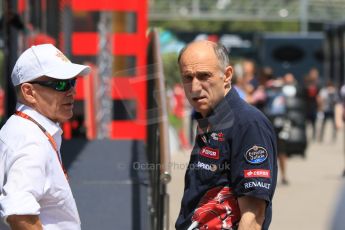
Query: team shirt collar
52,127
217,119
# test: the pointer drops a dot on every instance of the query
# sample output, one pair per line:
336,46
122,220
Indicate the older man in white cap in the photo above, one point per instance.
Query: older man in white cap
34,191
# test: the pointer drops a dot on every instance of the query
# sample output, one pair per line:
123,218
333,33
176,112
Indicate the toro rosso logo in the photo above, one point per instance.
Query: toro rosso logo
210,153
256,155
217,209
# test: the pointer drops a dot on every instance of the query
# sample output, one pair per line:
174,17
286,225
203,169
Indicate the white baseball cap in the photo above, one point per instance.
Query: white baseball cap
45,60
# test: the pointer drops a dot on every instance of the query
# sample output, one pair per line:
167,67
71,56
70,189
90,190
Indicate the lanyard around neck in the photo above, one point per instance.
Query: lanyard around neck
50,138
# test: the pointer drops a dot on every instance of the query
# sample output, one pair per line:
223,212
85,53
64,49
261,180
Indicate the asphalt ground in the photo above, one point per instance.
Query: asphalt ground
307,202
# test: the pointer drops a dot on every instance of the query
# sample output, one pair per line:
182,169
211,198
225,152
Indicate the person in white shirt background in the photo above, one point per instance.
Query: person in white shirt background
34,190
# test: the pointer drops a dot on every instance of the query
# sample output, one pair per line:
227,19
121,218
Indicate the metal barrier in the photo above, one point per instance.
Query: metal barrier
157,137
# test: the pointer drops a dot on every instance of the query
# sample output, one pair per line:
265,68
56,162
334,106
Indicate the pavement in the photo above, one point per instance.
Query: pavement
308,201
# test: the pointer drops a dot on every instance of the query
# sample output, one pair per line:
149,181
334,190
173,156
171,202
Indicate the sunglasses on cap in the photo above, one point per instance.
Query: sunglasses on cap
58,85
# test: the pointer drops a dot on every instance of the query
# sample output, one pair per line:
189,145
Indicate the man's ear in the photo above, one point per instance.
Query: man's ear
28,93
228,75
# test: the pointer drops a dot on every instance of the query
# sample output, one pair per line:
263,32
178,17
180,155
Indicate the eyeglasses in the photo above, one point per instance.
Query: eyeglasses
58,85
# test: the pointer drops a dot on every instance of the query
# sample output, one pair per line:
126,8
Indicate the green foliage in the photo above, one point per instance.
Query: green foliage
189,26
175,121
260,26
226,26
171,69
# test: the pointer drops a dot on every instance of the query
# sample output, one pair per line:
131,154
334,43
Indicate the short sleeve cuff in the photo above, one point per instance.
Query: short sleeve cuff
256,188
20,203
256,194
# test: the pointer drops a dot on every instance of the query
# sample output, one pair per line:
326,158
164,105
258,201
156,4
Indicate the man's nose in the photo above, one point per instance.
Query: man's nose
195,85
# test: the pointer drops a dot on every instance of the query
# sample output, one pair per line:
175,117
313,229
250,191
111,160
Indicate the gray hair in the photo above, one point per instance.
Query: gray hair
220,51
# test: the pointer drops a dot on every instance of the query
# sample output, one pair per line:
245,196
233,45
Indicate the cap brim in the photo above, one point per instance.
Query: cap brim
68,70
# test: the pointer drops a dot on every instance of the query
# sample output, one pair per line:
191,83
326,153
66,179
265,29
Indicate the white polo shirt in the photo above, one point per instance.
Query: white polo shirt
32,181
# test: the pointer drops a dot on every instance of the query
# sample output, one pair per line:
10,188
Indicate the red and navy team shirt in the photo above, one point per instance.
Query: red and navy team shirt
234,155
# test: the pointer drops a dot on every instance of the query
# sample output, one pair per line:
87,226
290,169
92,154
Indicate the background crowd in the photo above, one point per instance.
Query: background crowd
298,106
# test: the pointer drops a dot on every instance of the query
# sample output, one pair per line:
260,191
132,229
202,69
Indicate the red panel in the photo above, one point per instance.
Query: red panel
124,87
142,23
141,65
84,43
142,17
90,116
79,89
67,130
44,6
99,5
21,6
124,44
128,130
128,44
121,88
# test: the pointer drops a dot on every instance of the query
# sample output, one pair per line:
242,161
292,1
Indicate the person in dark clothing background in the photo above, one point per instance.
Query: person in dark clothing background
311,97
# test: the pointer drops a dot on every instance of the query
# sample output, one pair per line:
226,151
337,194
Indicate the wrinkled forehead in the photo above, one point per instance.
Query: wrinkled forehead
199,66
198,50
202,57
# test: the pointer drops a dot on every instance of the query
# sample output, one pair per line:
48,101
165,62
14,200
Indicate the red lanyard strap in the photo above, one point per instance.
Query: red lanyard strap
50,138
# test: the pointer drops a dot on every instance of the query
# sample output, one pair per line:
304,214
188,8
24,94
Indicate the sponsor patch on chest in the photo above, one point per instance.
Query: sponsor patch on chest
209,152
209,167
218,136
252,173
260,184
256,155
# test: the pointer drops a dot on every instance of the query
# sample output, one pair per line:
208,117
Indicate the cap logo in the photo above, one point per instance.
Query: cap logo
62,56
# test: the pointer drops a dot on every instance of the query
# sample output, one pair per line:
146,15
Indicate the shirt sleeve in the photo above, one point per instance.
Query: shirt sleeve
24,180
254,161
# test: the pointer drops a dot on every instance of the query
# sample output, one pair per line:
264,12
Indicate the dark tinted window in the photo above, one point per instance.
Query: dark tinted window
288,53
124,109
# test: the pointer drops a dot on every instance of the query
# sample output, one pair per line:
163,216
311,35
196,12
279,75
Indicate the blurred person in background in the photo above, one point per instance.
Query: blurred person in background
231,176
249,81
311,97
253,85
238,81
179,111
259,96
34,191
329,98
249,74
289,90
284,108
340,110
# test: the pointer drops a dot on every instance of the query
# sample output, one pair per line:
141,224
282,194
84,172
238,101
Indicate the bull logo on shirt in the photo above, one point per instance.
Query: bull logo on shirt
217,209
217,136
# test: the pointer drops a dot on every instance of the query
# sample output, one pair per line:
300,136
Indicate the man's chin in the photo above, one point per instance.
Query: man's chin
65,118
